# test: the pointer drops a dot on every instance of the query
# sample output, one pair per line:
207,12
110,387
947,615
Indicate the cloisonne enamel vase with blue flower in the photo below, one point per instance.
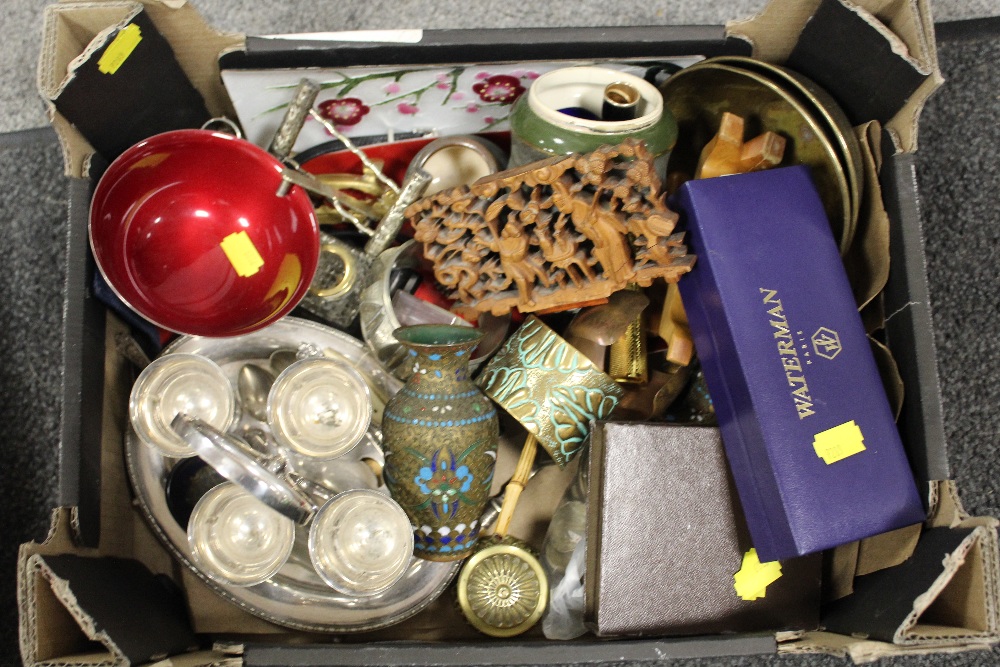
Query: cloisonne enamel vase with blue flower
440,439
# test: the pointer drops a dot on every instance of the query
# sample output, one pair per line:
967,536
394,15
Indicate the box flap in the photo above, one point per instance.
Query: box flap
106,92
74,28
892,49
886,605
95,591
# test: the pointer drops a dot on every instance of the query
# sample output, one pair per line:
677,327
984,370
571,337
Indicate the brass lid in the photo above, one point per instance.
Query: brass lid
503,590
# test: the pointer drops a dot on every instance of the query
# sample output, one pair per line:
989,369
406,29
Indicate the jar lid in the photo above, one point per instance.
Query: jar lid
585,87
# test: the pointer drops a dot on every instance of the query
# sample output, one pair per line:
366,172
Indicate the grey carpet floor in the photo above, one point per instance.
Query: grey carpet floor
957,174
20,27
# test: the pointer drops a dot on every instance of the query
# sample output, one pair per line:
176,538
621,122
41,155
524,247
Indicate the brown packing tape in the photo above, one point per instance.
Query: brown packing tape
886,550
70,26
774,31
839,567
867,260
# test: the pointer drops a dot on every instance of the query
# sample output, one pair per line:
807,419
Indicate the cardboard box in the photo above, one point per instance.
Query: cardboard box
61,624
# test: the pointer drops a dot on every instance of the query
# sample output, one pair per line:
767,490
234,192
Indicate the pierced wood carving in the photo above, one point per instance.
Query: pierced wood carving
554,233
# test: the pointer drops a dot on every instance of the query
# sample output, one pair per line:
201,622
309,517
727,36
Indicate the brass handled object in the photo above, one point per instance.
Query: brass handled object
503,589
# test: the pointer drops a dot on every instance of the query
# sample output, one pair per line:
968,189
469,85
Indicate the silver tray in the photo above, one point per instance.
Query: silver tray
295,597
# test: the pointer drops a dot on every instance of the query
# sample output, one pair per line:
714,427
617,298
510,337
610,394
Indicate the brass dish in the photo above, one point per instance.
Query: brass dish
827,111
700,94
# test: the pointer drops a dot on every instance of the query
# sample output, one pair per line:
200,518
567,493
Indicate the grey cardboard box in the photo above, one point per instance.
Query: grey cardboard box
95,521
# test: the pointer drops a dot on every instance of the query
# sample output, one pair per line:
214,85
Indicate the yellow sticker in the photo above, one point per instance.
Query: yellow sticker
754,577
837,443
242,254
120,48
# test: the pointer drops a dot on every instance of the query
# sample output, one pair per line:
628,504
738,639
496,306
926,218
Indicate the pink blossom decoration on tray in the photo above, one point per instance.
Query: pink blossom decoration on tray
378,101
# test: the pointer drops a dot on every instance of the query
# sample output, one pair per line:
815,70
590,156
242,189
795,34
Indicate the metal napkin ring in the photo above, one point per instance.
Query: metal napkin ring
346,282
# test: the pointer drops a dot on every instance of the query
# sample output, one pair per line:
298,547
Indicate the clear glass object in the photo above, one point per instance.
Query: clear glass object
361,542
237,539
319,408
180,384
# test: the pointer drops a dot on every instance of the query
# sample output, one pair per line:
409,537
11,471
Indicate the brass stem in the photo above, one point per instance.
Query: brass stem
516,484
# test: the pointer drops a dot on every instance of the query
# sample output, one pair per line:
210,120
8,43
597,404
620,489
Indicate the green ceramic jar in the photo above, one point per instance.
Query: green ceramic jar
540,130
440,439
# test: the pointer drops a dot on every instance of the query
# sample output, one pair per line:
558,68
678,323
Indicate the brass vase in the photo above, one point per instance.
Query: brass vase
440,442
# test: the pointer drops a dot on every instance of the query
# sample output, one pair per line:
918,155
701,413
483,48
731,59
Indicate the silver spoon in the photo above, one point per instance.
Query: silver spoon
253,384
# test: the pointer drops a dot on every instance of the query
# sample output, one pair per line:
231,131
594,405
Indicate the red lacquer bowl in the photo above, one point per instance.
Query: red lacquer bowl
188,229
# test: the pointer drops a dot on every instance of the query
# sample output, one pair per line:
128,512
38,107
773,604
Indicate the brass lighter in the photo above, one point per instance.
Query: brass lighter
627,360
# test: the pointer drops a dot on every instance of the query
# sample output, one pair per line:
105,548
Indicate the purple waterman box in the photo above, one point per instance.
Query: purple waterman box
807,428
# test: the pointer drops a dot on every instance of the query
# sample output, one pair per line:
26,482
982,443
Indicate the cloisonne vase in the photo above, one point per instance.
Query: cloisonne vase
440,439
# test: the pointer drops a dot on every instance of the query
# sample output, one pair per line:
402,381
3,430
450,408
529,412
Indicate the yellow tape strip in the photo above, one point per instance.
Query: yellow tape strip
242,254
120,48
754,577
837,443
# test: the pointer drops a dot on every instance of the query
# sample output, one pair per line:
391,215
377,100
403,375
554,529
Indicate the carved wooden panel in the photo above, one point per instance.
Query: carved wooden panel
557,232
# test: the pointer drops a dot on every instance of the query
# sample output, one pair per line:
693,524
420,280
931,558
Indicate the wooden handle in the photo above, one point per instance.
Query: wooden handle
516,484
